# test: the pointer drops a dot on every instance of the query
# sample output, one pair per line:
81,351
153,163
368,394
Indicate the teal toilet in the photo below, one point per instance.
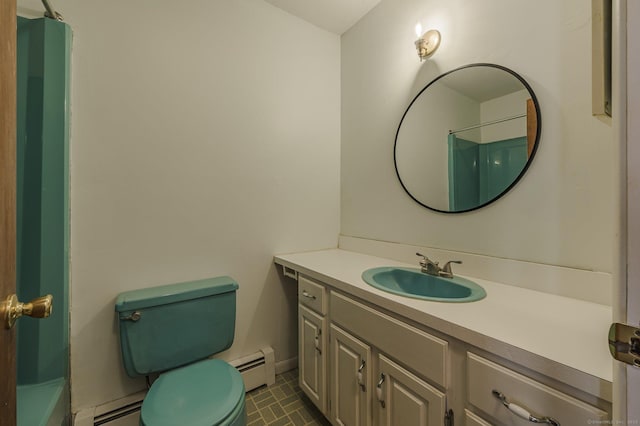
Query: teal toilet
171,330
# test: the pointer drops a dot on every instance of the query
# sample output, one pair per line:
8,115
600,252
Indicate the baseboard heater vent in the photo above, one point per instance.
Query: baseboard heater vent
119,414
257,369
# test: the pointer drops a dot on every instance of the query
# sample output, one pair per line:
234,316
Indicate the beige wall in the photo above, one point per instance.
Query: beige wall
205,138
561,212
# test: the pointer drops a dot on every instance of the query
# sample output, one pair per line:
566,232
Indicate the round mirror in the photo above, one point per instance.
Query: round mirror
467,138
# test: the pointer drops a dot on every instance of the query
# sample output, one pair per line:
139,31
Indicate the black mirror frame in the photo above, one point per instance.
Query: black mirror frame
529,160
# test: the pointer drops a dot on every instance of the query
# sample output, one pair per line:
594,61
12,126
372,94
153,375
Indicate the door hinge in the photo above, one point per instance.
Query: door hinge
624,343
448,418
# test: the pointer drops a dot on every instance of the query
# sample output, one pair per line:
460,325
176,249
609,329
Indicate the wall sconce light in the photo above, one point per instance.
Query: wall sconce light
427,43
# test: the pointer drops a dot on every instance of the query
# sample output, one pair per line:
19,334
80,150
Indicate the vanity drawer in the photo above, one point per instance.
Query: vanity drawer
484,376
471,419
423,353
312,294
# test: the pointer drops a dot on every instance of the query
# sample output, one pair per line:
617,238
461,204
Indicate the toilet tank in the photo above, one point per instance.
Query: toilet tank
172,325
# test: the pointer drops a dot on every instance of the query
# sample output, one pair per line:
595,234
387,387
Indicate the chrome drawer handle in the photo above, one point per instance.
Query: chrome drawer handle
522,412
317,341
379,394
360,377
307,295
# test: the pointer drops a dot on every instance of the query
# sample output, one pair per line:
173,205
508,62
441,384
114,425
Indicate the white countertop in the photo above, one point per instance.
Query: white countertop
512,322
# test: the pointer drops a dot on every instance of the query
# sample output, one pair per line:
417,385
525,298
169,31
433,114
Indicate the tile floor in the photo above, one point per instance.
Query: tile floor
282,404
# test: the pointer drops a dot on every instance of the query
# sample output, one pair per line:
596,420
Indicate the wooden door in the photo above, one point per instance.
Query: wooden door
404,399
7,204
312,356
350,380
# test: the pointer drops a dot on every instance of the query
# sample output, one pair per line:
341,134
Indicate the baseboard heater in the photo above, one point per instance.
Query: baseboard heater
257,369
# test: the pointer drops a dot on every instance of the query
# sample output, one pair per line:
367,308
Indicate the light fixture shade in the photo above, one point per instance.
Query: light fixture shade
428,44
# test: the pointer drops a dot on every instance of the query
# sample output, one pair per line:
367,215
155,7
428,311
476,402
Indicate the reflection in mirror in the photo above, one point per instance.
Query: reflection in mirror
467,138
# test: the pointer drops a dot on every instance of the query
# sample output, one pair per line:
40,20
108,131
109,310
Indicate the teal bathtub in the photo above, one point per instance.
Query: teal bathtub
43,404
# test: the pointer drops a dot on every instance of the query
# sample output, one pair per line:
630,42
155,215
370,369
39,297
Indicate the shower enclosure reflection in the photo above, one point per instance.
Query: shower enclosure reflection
42,218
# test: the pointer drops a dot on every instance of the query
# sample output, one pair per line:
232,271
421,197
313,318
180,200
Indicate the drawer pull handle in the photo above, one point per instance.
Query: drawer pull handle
307,295
522,412
379,390
317,339
360,378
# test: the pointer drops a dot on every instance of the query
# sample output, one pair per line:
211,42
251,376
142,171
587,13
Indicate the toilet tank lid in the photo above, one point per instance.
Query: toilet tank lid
172,293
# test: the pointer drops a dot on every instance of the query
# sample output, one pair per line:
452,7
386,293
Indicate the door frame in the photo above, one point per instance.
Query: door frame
626,268
8,113
632,188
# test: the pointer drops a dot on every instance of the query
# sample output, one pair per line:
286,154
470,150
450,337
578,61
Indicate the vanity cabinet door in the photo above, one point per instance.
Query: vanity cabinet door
350,380
470,419
312,356
404,399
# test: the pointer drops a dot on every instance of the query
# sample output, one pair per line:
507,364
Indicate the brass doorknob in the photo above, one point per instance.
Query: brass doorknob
11,309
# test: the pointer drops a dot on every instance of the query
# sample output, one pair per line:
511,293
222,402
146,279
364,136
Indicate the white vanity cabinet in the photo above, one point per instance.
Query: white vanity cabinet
368,360
355,362
312,341
388,349
368,388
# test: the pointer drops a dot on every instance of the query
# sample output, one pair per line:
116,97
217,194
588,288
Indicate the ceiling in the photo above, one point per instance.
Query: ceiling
482,83
336,16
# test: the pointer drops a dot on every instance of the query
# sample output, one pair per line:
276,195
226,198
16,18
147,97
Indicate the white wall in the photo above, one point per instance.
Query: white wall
504,106
205,139
561,212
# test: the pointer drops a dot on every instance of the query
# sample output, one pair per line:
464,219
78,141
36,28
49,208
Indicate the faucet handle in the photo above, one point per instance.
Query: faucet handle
446,269
428,266
425,259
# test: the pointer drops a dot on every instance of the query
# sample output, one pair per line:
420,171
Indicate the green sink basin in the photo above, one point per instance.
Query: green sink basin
412,282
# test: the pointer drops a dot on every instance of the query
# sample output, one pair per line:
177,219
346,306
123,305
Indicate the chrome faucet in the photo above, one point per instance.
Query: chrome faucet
430,267
446,269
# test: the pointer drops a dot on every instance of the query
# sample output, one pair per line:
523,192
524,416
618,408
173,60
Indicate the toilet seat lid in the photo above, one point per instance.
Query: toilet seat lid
201,394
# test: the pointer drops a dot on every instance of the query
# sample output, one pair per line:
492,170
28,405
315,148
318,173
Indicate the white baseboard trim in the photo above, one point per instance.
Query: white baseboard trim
286,365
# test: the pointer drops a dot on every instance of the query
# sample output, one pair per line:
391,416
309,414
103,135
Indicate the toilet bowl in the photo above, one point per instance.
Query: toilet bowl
172,330
207,393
